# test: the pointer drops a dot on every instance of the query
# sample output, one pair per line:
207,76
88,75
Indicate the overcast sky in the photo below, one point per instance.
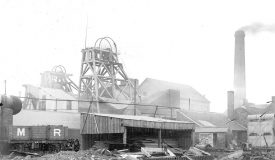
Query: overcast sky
188,42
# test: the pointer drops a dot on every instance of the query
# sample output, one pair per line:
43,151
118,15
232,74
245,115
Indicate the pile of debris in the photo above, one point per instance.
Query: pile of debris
194,152
101,152
105,154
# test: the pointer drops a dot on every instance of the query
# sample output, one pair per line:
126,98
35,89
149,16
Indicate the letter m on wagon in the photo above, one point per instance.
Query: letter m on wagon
21,132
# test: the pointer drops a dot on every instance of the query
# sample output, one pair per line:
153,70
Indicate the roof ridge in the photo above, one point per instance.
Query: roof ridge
237,123
142,83
181,112
240,125
169,82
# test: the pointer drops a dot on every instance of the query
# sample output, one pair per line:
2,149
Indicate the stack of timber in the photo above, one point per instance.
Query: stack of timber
152,142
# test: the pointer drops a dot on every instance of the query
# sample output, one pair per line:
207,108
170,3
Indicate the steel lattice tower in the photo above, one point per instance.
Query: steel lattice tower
102,77
58,79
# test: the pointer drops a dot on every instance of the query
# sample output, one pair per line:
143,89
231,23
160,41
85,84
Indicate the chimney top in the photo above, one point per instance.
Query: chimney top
239,33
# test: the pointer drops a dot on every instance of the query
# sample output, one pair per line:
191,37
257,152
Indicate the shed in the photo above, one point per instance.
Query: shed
214,128
128,129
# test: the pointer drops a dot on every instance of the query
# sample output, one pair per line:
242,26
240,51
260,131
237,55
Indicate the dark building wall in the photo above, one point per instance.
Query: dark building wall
89,140
241,116
74,133
240,136
6,116
186,139
221,140
144,137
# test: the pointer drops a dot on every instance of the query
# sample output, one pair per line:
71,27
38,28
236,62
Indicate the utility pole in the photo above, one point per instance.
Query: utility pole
5,82
189,103
1,116
1,119
86,33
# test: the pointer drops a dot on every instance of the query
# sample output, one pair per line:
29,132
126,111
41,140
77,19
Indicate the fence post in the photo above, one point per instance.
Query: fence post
171,113
56,104
156,111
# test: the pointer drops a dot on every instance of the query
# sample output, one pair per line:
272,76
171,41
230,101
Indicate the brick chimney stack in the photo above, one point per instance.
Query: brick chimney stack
239,70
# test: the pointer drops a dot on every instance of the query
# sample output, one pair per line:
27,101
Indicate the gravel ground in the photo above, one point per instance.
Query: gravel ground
69,155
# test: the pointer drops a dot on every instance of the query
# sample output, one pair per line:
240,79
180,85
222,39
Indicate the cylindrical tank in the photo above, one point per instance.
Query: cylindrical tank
10,105
7,118
11,102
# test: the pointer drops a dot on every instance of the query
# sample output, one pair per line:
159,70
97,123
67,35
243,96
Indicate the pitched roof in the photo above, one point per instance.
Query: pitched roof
153,87
252,109
141,118
210,120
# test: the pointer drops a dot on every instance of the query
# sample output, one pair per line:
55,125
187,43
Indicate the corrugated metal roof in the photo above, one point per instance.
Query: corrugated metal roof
219,120
261,116
206,123
211,130
252,109
144,118
36,117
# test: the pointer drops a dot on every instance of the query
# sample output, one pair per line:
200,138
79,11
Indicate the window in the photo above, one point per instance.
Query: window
253,134
267,134
42,103
69,105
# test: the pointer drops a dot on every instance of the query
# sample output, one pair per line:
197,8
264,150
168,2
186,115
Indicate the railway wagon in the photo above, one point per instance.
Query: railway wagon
51,138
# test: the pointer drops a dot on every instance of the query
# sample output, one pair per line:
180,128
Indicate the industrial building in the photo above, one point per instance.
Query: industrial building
112,103
106,91
163,93
238,105
257,118
215,129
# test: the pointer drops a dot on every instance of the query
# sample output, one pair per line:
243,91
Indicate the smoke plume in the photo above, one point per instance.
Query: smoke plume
258,27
